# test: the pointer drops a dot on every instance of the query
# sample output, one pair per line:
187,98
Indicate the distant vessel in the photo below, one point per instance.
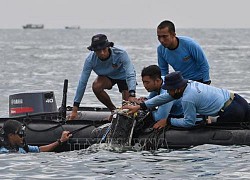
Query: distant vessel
72,27
33,26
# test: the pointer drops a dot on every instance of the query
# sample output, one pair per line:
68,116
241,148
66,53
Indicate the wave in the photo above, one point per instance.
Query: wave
227,47
53,47
24,47
57,47
46,56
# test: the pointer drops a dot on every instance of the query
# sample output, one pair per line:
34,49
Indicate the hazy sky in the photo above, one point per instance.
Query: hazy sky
126,13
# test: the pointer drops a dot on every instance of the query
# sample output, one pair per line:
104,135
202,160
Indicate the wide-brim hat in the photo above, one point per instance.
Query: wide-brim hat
174,81
99,41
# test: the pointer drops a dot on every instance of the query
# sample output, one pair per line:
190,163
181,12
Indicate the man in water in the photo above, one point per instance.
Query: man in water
13,139
113,66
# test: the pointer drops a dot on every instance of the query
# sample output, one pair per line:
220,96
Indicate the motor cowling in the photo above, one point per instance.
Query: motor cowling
32,103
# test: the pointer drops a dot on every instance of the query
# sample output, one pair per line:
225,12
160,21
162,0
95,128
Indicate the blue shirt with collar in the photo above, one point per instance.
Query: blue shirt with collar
117,66
198,98
163,111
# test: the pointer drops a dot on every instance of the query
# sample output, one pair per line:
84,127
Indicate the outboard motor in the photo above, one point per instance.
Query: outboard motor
32,103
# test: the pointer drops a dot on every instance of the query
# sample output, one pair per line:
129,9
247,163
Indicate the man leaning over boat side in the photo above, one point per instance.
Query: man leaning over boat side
182,53
113,66
152,81
13,139
198,98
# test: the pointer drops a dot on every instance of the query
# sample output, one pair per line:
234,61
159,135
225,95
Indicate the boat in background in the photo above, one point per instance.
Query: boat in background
72,27
33,26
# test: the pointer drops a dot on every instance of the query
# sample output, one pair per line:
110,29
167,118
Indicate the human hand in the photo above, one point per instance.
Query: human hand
65,136
133,100
132,108
160,124
73,114
142,99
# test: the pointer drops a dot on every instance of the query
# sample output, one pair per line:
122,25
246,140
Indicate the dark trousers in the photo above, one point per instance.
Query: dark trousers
237,111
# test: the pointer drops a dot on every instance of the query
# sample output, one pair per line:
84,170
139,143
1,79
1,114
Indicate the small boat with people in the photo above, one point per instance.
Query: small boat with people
44,123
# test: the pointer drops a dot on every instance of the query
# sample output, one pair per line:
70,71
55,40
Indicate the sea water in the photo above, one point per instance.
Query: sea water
40,60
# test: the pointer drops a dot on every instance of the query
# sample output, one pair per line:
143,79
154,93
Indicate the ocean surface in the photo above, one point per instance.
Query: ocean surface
40,60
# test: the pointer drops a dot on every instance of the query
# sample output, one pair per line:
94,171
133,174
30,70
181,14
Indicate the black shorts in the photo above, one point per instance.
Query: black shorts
122,84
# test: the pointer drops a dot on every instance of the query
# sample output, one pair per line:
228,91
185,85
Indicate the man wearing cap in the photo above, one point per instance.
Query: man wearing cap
113,66
182,53
198,98
12,139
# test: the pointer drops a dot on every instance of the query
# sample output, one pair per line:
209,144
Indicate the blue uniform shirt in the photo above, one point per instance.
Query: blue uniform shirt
163,111
21,150
197,98
188,58
118,66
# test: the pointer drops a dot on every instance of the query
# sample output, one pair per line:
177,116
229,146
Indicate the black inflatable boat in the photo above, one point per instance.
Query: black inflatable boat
45,123
45,128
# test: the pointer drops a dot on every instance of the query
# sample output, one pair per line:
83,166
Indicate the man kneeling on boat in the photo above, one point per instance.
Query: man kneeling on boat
13,139
113,66
197,98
